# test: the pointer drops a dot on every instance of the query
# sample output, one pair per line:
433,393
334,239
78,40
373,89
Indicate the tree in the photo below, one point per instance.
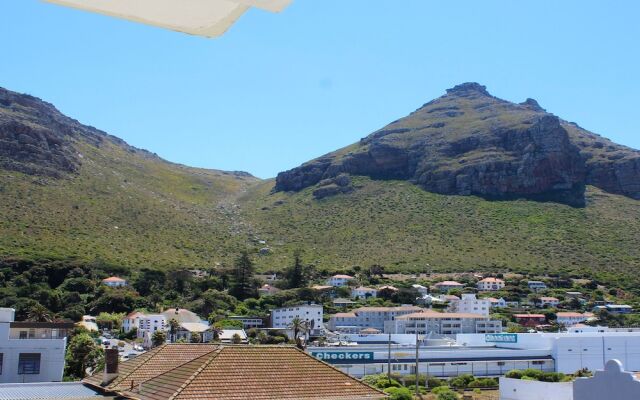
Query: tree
174,325
82,353
299,327
296,275
236,339
242,286
159,338
39,313
399,393
217,331
196,337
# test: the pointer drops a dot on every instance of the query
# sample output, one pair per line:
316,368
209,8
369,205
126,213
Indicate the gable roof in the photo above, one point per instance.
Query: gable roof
235,372
113,279
448,283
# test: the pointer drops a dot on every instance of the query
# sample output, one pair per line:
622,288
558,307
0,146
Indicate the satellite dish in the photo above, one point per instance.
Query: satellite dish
209,18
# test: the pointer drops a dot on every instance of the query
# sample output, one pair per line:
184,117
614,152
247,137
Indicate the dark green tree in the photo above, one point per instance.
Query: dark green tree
82,353
159,338
243,286
296,275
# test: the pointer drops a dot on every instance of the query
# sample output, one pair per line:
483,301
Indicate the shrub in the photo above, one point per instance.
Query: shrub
514,374
461,381
533,373
399,393
380,381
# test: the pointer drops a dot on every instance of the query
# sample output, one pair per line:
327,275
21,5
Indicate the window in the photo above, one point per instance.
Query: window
1,360
29,364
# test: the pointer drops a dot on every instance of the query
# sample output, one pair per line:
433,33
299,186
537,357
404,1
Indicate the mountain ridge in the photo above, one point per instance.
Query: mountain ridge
469,142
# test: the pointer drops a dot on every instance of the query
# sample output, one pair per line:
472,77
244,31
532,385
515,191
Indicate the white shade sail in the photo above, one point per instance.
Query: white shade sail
208,18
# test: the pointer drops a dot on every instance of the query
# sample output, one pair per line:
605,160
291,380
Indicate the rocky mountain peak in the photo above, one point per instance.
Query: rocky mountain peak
468,142
468,89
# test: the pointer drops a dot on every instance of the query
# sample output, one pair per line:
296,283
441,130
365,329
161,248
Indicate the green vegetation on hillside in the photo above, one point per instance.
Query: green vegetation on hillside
404,228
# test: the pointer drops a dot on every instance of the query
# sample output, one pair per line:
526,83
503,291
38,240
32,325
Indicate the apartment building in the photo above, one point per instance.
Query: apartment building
470,304
490,284
429,321
31,351
368,317
312,313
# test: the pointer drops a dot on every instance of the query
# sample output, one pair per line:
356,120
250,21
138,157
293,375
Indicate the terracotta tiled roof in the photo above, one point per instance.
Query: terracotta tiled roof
342,276
387,309
529,316
182,371
113,279
492,280
448,283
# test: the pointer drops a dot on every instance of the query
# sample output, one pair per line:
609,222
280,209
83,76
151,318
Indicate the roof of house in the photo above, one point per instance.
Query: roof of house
181,315
342,276
197,327
549,299
387,309
492,280
388,287
345,315
113,279
227,334
529,316
573,315
321,287
449,283
365,289
134,314
47,391
227,372
438,315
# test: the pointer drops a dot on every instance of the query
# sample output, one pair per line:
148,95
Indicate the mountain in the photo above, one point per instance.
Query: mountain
468,182
70,190
469,142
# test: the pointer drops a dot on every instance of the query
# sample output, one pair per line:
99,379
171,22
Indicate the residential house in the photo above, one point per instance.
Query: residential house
423,290
114,281
181,315
530,320
187,330
340,302
470,304
447,286
490,284
537,286
31,351
618,308
227,336
497,303
267,290
311,313
388,288
363,292
339,280
249,322
223,372
546,302
146,324
569,319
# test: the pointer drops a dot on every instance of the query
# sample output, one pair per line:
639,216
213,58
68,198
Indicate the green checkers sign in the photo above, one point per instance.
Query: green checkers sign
501,338
342,356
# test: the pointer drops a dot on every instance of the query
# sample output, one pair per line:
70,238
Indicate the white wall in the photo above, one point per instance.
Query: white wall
517,389
51,357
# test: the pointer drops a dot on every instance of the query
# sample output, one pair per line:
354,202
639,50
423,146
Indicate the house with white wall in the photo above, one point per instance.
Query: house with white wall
339,280
363,292
447,286
490,284
569,319
31,351
311,313
470,304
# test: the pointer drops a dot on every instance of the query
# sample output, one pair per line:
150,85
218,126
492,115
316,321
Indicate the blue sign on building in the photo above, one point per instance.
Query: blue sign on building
338,357
501,338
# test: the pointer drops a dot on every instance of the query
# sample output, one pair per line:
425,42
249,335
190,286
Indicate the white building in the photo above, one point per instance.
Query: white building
497,303
114,281
363,292
469,304
368,317
145,323
448,286
312,313
31,351
89,323
422,290
432,322
248,322
569,319
546,301
537,285
490,284
339,280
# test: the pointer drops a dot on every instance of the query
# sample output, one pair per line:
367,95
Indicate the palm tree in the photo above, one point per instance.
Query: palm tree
299,326
39,313
174,325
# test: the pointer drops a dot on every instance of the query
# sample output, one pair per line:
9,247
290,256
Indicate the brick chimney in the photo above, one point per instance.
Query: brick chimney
111,358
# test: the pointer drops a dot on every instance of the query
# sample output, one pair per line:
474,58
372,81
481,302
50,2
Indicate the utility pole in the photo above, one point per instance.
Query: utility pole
389,359
417,362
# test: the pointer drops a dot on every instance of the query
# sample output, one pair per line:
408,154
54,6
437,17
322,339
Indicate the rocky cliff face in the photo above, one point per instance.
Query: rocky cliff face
471,143
36,139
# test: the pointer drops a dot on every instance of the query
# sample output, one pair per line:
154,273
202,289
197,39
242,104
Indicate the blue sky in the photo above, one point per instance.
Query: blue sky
280,89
